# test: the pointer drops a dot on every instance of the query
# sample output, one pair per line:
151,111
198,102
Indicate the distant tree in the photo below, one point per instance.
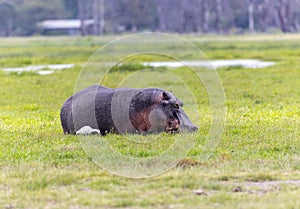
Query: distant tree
135,14
239,17
29,13
161,9
283,11
7,18
206,14
71,8
219,15
197,15
251,15
82,16
98,16
288,15
295,19
264,18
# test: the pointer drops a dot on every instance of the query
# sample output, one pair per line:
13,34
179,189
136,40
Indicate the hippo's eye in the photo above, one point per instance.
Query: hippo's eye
176,105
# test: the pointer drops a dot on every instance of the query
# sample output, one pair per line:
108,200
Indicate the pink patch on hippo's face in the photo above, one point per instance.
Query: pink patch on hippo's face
140,120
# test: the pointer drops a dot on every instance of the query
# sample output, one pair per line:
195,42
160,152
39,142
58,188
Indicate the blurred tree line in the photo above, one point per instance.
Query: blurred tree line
20,17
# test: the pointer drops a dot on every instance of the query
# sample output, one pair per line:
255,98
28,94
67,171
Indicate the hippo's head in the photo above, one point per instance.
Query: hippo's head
156,110
177,120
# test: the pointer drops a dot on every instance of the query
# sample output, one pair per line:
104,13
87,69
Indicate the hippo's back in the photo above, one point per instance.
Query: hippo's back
84,108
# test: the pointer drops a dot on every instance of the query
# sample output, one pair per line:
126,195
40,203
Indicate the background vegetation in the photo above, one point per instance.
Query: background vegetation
20,17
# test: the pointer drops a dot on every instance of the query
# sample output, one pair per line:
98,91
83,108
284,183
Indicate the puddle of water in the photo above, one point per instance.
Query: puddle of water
247,63
39,69
45,72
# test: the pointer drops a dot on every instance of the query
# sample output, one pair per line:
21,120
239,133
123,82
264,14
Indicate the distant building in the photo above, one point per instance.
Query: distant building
65,26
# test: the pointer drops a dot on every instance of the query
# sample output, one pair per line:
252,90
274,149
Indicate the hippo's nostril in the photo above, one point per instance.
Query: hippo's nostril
195,128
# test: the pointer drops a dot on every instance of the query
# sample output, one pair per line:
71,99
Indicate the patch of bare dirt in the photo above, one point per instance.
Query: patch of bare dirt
261,187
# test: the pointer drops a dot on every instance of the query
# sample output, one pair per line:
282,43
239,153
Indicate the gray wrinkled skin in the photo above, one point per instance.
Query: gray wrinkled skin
143,111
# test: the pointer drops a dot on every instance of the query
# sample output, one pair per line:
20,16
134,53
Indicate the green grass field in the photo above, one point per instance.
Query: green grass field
256,164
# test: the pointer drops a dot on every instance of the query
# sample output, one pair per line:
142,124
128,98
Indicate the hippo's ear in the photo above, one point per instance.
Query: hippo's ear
180,103
165,96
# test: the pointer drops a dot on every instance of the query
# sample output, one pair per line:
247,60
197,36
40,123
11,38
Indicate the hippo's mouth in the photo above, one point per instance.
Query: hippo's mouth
173,124
172,129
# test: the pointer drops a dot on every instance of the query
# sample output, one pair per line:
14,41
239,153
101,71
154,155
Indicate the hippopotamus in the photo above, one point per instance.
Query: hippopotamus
124,110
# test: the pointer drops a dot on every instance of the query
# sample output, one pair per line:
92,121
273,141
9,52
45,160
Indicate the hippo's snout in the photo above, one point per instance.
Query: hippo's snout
191,128
185,124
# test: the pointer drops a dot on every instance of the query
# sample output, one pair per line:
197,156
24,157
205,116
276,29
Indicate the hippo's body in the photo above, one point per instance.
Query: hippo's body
123,110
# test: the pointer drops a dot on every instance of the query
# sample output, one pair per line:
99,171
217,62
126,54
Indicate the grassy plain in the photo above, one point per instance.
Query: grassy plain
42,168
